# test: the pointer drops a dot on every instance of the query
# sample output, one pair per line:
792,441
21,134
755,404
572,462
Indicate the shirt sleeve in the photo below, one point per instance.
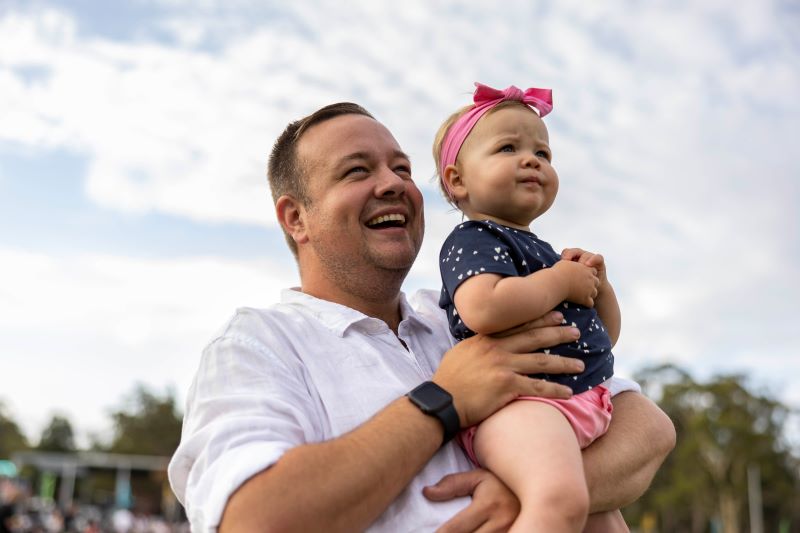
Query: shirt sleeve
473,249
245,408
618,384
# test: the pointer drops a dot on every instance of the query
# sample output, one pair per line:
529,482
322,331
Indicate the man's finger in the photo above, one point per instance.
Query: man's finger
553,318
533,340
472,517
465,521
543,363
544,389
453,486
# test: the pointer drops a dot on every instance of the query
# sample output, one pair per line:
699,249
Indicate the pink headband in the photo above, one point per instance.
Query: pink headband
486,98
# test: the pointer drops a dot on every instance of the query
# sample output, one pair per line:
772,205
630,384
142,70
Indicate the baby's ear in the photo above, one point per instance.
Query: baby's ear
452,177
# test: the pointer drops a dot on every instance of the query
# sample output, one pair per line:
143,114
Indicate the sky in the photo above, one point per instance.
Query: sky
135,215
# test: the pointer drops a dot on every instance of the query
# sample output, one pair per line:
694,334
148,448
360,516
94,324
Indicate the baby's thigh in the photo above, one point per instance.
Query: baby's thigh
531,446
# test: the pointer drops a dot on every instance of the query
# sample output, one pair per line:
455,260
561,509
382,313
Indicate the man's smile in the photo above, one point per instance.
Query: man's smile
392,220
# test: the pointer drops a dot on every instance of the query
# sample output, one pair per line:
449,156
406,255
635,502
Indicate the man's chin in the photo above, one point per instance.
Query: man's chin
396,260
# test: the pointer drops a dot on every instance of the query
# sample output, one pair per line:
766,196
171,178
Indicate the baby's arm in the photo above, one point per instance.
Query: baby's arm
605,303
489,303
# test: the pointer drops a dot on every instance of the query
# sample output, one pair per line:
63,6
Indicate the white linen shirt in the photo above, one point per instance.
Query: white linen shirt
304,371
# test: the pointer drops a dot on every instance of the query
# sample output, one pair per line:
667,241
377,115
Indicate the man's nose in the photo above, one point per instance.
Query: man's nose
389,183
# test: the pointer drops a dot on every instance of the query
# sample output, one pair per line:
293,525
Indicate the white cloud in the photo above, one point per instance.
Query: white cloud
81,330
674,133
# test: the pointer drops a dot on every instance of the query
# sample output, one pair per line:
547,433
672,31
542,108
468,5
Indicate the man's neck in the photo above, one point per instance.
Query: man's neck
380,299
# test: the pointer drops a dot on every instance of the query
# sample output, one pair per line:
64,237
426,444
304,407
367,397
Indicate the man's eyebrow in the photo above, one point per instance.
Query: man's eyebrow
355,155
402,154
359,156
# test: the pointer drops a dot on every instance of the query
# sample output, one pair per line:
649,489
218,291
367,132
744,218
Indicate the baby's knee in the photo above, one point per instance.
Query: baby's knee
568,502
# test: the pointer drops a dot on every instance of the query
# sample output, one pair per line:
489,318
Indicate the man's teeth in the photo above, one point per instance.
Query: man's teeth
387,218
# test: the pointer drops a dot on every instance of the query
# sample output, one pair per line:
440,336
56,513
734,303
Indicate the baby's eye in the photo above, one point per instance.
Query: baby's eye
544,154
507,148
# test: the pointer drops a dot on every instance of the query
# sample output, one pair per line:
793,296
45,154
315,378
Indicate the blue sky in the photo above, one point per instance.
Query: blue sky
135,216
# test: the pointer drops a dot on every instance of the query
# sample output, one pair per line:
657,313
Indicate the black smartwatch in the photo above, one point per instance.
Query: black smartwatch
437,402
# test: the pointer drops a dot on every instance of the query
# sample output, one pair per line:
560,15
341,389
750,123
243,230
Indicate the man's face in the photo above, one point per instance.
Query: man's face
363,209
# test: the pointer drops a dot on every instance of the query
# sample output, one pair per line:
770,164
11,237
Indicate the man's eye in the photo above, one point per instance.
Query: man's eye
507,148
355,170
403,170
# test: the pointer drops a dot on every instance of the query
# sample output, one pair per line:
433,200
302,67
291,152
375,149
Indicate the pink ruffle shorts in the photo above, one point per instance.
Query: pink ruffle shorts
589,414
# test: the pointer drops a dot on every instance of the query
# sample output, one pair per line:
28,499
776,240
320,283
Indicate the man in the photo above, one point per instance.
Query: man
298,418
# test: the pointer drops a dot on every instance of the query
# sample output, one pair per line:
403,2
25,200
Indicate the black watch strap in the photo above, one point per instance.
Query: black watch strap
437,402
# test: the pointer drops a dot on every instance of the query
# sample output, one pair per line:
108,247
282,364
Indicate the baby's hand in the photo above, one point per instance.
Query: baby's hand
581,280
589,259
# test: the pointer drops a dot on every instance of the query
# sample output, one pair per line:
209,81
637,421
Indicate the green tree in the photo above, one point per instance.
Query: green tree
146,424
723,429
58,436
11,438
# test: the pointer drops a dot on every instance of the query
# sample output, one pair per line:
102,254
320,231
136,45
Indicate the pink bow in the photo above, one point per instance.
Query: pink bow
540,99
485,98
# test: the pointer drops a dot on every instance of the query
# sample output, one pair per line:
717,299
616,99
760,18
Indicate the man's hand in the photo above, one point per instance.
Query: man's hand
493,507
580,280
485,373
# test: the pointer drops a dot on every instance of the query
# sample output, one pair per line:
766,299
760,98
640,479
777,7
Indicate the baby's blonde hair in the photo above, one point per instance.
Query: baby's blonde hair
438,139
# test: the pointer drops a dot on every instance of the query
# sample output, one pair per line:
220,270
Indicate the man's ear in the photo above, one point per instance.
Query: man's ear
291,216
455,182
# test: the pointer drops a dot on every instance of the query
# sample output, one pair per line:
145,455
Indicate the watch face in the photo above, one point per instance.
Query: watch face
432,397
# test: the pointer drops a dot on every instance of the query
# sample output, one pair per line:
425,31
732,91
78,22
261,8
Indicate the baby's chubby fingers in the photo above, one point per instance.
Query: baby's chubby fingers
572,254
592,260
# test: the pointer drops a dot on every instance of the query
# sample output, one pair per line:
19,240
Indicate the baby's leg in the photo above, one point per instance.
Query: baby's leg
532,448
608,522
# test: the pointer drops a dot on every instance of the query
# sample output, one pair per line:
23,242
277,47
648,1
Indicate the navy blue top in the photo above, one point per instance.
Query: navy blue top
477,247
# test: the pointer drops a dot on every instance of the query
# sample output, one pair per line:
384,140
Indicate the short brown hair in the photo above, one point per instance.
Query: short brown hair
285,173
445,127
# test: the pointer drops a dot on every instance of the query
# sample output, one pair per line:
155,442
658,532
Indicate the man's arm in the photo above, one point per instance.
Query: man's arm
620,465
344,484
338,485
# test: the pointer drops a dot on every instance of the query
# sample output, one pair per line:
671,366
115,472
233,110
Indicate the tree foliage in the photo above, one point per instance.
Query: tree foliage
11,437
58,436
147,424
723,430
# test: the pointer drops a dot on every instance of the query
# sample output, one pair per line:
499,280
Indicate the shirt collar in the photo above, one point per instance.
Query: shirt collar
338,318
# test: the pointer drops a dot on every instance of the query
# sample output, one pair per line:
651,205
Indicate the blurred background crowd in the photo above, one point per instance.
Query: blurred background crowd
116,486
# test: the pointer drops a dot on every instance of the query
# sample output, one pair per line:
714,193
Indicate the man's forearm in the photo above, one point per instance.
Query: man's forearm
620,465
340,485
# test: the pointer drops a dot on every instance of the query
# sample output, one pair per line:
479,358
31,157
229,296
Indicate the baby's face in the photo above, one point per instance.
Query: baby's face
505,168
